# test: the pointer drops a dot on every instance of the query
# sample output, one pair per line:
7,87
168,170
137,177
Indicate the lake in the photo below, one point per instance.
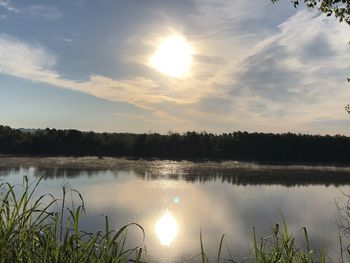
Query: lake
175,200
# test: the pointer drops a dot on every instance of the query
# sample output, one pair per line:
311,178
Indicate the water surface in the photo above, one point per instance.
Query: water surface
174,201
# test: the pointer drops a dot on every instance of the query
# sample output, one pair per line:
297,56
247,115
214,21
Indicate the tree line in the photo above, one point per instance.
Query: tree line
242,146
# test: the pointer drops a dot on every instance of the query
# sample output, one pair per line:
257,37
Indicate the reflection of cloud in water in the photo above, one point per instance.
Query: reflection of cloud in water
215,207
220,208
142,201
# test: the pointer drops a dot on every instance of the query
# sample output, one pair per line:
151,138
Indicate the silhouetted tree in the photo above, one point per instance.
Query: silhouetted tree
244,146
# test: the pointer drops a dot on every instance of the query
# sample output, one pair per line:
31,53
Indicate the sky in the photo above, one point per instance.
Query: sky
252,66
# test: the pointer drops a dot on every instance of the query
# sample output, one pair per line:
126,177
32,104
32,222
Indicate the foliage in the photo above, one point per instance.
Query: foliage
244,146
339,8
281,246
32,231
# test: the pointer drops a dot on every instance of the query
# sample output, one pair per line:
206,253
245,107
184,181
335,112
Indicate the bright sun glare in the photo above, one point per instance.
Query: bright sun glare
166,229
173,57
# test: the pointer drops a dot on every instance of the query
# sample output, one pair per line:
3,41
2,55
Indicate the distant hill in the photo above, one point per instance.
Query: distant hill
242,146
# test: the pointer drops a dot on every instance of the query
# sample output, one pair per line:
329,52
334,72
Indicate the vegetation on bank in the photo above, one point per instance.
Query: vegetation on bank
47,230
244,146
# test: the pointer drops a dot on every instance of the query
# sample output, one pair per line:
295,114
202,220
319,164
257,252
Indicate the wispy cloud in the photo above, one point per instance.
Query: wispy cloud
68,40
7,5
26,61
281,79
35,63
303,65
45,11
252,70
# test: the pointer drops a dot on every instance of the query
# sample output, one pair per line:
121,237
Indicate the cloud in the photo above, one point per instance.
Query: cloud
303,66
318,48
252,70
35,63
279,79
265,75
7,5
26,61
68,40
215,104
45,11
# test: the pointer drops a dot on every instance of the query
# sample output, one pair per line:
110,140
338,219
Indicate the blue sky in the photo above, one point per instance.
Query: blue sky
256,66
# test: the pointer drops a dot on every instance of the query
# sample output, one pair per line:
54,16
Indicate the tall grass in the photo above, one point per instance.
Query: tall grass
45,229
278,247
281,246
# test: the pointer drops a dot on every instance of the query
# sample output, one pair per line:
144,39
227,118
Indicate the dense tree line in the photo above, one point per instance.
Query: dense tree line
244,146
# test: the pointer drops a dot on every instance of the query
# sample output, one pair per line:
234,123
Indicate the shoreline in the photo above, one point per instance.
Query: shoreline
114,162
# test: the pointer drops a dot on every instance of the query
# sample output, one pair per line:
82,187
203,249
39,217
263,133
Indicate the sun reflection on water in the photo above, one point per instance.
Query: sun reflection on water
166,229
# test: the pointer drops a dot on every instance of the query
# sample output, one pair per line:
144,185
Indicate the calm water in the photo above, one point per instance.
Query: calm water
173,201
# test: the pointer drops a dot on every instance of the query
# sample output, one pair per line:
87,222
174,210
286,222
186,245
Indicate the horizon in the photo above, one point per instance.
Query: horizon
22,129
160,66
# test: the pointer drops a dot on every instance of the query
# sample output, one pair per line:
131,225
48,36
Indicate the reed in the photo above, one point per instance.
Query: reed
46,229
281,246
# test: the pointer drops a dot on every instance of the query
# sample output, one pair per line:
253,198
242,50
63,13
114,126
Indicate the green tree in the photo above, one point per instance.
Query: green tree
338,8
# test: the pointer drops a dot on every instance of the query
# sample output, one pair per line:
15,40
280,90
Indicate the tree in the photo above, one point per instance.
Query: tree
338,8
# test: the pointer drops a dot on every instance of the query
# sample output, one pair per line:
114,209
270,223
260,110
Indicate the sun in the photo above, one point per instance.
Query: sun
173,57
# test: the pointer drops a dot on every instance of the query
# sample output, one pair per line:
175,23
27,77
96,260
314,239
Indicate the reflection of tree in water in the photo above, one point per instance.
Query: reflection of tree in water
229,172
52,173
257,177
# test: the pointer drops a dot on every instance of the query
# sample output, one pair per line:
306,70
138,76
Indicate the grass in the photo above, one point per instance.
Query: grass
281,246
45,229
